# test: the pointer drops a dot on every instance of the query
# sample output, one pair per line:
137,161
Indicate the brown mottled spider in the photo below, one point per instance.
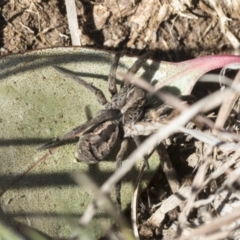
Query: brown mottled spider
99,135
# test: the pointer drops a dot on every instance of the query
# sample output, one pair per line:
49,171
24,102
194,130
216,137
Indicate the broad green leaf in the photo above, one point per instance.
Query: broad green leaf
37,104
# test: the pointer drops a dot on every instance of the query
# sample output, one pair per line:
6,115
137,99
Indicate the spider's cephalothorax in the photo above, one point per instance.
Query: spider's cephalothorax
99,135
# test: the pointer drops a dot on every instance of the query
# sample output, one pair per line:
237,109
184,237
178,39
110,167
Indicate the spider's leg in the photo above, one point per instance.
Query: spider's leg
137,65
66,137
112,75
136,97
146,157
103,116
119,158
98,93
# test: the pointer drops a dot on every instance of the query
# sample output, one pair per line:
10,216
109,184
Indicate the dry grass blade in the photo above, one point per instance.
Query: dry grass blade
103,202
177,124
8,233
169,204
210,77
185,192
147,128
222,168
173,101
189,193
211,140
223,20
73,22
168,168
196,187
227,104
215,225
203,105
134,204
232,177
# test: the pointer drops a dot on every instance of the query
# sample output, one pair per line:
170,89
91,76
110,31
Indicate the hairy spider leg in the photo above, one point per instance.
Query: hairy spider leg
138,95
112,87
97,92
119,159
138,64
103,116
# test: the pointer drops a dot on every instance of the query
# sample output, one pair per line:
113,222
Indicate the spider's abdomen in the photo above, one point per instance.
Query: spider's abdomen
95,146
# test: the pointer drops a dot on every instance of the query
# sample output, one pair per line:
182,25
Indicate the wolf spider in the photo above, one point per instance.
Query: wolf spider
99,135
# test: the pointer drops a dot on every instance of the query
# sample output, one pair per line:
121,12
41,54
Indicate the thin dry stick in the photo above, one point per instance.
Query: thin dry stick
196,187
173,101
104,202
222,169
134,204
168,168
214,225
147,128
169,204
228,104
73,22
203,105
185,193
181,107
230,180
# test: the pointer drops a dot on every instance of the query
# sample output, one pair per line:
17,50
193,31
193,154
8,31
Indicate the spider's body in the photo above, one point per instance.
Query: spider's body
96,145
99,135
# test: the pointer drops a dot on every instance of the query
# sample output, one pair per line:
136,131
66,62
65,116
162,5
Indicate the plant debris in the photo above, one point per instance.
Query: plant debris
182,29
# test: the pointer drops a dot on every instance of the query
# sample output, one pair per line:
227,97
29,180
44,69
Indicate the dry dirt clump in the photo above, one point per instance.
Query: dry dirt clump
182,28
33,24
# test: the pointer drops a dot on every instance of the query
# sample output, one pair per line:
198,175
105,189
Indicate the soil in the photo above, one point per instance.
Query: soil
175,30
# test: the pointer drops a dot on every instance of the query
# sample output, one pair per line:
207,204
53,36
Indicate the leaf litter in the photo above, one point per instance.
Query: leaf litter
178,29
207,167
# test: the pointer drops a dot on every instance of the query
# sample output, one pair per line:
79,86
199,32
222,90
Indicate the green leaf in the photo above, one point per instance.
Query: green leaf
37,105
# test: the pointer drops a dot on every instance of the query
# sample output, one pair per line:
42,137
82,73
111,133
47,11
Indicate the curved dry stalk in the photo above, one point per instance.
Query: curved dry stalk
134,204
228,104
